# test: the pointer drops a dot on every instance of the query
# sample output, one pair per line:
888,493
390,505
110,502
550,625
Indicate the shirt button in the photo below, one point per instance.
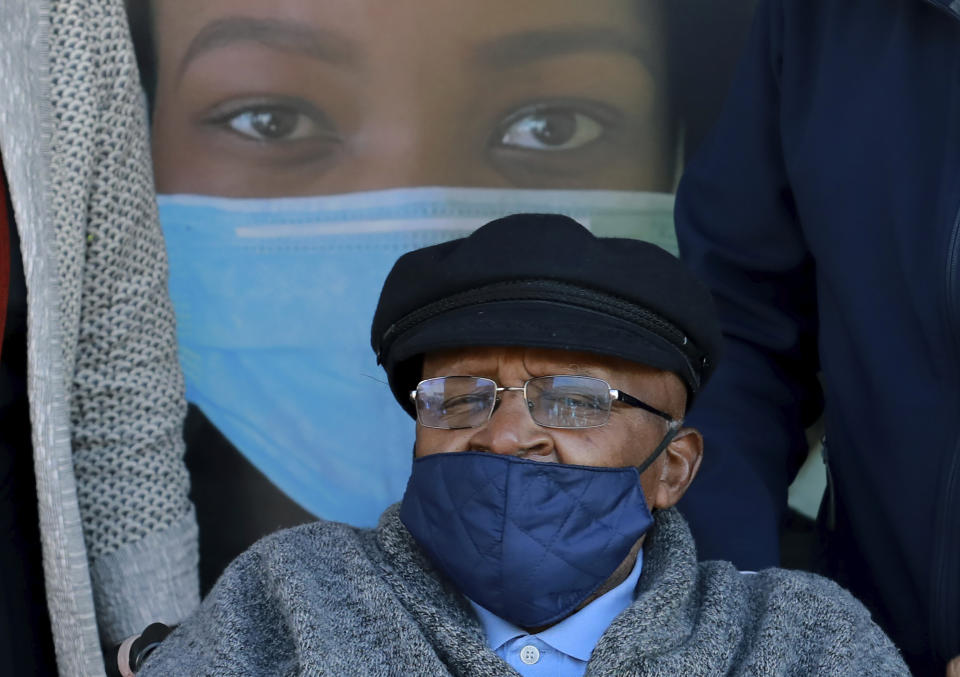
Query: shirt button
529,654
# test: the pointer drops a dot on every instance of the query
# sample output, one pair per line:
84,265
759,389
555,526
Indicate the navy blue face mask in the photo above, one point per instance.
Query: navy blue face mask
527,540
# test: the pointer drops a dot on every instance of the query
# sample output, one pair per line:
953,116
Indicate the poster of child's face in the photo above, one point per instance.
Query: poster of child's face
301,146
300,97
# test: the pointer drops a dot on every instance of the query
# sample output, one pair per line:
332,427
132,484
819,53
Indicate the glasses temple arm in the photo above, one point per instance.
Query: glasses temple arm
621,396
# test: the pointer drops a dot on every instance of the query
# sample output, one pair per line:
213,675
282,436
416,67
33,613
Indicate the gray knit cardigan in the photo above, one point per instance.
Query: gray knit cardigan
106,394
329,599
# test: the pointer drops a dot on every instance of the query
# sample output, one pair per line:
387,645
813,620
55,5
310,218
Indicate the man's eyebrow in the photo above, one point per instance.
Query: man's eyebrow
522,48
586,370
572,369
278,34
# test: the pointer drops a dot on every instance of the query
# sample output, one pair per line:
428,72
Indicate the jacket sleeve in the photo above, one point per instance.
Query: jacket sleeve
809,625
118,333
240,629
738,228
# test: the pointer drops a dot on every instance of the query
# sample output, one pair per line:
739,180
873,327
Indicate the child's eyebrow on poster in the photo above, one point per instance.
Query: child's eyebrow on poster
306,98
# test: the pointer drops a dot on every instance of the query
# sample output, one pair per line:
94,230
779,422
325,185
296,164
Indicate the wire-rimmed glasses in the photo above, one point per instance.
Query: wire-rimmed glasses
562,401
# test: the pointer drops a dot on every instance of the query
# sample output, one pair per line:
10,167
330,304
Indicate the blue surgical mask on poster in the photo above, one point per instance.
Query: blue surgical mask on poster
274,299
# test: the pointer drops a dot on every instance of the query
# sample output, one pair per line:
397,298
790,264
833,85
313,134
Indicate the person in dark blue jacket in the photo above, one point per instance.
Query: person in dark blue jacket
824,212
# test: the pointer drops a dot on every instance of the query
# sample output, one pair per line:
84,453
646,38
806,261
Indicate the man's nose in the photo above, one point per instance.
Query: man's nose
512,431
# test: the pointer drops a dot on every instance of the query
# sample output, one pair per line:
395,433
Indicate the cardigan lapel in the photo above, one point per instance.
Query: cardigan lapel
664,629
442,613
682,622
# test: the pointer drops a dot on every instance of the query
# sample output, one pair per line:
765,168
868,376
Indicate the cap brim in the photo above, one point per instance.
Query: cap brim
534,324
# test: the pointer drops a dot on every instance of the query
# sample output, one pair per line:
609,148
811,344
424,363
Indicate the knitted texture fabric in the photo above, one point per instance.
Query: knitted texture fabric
105,390
328,599
126,406
26,124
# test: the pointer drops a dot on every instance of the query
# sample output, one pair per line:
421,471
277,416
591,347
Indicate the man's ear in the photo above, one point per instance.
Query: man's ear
679,465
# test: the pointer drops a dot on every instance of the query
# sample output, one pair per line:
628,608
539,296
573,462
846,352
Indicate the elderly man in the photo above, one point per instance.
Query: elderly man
549,372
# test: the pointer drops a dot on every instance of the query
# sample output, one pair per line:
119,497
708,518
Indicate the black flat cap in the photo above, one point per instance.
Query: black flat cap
545,281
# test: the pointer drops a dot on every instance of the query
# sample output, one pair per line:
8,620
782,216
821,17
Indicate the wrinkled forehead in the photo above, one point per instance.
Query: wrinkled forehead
491,361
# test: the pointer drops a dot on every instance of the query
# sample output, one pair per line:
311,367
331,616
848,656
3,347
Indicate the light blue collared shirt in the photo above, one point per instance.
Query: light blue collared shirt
562,649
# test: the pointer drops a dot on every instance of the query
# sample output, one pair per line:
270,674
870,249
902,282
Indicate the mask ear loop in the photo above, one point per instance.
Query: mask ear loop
664,443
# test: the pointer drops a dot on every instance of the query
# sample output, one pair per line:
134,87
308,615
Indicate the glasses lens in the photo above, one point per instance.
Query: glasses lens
569,401
452,402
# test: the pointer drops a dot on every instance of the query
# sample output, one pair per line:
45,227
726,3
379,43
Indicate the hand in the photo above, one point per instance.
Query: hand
953,668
